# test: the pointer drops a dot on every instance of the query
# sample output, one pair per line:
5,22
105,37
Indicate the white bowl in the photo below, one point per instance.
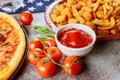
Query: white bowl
75,51
47,13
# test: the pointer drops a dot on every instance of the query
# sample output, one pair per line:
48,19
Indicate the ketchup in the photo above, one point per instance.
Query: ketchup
75,38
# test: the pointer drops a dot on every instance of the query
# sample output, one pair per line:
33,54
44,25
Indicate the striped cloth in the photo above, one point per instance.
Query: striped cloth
17,6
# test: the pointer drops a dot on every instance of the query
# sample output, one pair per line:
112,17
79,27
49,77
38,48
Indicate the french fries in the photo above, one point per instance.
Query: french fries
103,16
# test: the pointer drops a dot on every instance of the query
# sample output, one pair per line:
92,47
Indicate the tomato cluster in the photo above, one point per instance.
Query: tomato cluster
45,55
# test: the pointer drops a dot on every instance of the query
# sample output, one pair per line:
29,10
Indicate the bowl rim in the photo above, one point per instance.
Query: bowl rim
47,18
67,25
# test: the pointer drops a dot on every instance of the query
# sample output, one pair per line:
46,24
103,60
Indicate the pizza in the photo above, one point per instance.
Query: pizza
12,45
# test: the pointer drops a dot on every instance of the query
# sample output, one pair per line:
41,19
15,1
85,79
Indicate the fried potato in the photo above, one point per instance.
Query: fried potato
103,16
114,31
67,12
72,20
101,22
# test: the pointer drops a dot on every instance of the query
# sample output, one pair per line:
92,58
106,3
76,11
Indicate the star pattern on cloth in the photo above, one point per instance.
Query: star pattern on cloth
47,0
31,8
40,4
31,1
26,5
23,5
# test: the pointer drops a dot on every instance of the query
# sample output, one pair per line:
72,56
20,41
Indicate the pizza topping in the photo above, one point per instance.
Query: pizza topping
4,30
8,42
2,38
5,44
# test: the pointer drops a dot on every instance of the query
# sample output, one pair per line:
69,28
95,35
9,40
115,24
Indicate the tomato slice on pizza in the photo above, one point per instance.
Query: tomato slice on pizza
12,45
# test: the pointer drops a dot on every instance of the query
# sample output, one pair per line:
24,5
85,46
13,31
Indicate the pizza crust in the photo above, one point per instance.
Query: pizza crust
19,53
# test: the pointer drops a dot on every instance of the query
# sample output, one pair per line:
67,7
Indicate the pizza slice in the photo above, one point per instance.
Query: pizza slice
12,45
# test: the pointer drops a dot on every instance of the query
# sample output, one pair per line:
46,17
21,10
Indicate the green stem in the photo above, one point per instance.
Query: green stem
53,60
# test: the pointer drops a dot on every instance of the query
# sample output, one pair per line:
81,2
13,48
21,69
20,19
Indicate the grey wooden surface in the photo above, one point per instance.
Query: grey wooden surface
102,63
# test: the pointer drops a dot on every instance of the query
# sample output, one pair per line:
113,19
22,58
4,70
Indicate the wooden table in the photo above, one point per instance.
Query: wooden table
102,63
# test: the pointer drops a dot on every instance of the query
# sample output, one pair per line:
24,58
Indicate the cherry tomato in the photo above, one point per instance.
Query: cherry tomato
54,53
72,65
48,42
34,55
45,67
26,17
35,43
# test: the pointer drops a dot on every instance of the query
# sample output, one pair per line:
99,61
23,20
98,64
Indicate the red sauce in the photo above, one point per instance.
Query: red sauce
75,38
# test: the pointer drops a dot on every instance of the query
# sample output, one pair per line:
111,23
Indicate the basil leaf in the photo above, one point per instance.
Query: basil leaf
42,29
42,38
44,32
